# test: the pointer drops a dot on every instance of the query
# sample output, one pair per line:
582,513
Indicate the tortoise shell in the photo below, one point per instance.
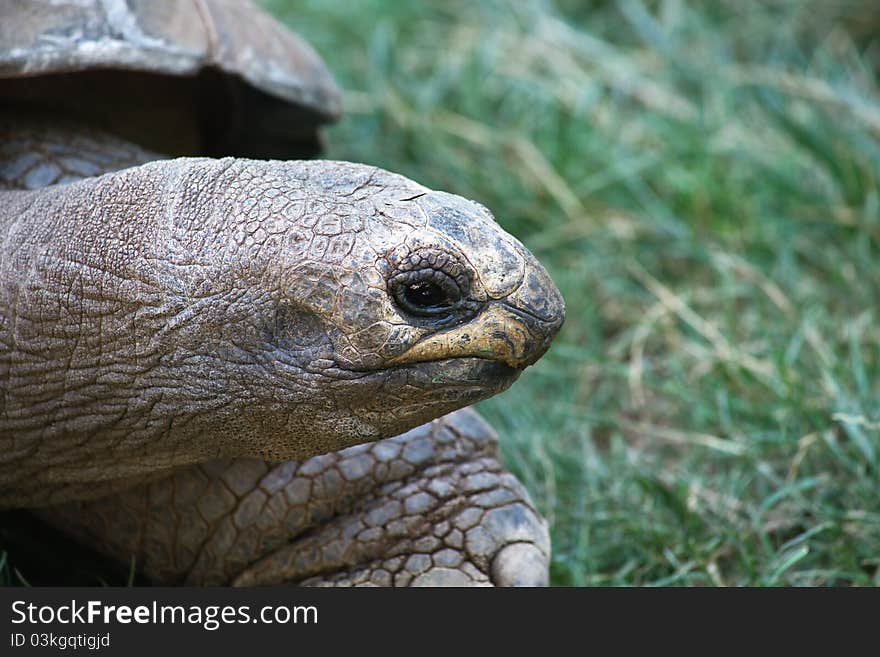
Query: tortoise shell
218,77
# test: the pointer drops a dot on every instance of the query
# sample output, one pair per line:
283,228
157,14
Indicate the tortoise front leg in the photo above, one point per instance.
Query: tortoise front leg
433,506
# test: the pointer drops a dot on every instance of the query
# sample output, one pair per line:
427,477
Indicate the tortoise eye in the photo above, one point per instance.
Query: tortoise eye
426,293
429,282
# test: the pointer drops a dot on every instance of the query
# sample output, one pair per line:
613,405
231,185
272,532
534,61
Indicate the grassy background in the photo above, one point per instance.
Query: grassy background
700,178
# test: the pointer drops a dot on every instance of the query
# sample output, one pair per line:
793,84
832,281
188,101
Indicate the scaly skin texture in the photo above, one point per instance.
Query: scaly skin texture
159,322
41,151
430,507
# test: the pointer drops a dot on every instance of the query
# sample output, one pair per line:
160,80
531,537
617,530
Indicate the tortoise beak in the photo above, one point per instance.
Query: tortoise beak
515,330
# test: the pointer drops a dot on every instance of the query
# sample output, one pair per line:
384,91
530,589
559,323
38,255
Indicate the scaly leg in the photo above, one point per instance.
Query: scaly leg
431,507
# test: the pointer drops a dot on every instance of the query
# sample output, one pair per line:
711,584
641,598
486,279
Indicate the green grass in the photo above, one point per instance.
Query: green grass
701,181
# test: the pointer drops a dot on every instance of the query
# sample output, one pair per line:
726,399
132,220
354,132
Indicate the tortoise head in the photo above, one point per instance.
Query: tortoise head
194,308
373,304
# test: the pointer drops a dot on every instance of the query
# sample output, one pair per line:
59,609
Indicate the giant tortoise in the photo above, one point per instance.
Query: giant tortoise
223,368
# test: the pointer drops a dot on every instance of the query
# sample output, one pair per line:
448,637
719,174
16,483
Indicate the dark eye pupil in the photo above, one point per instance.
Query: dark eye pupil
426,295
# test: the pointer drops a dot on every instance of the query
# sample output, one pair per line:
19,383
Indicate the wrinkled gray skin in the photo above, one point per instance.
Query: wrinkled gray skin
175,332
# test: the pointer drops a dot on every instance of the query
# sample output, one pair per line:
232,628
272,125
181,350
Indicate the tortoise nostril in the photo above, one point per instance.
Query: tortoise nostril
543,312
538,297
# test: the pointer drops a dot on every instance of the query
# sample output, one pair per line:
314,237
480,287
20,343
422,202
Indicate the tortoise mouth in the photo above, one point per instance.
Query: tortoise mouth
470,376
476,370
467,371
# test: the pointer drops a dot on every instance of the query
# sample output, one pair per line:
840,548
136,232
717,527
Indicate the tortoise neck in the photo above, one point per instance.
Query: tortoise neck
42,149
